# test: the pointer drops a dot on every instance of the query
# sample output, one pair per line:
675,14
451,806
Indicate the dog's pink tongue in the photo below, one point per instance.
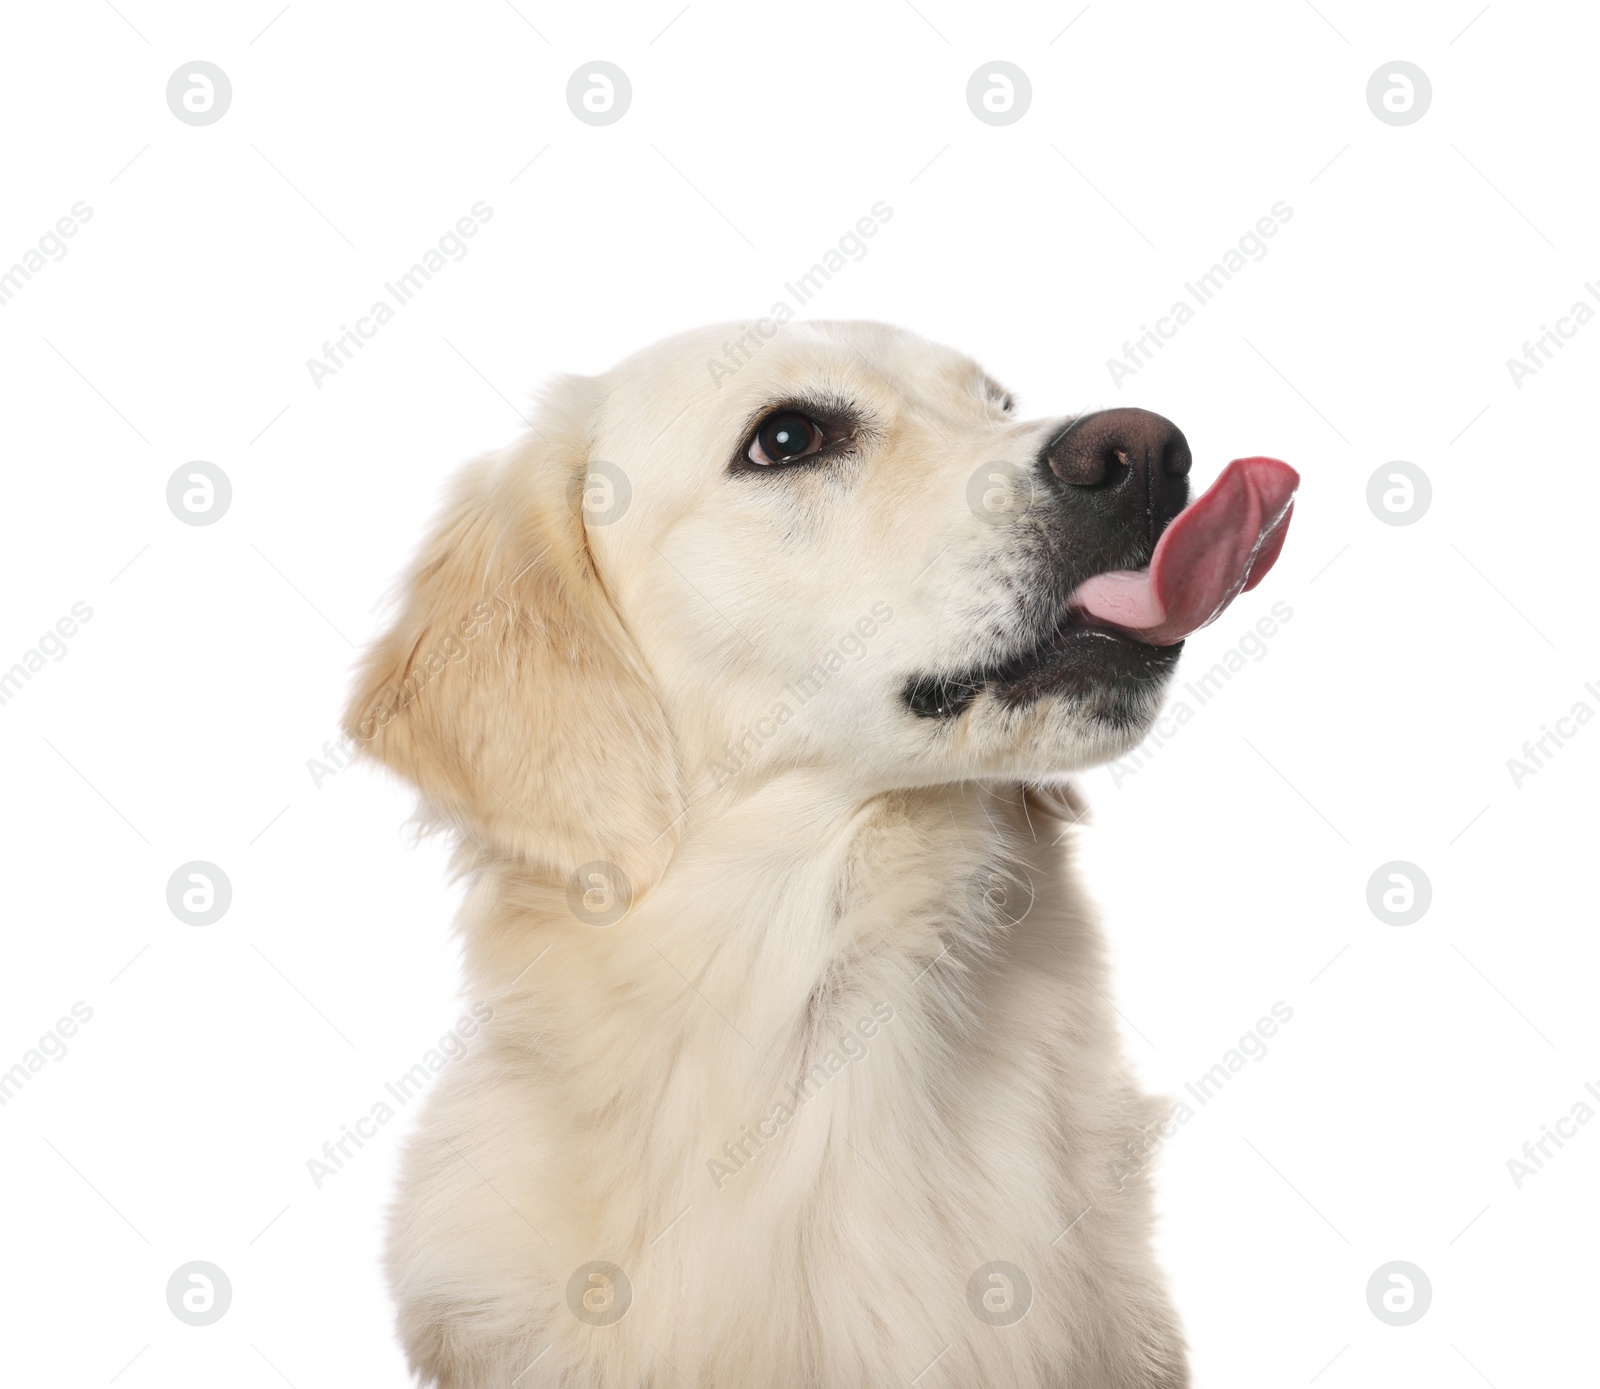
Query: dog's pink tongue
1216,548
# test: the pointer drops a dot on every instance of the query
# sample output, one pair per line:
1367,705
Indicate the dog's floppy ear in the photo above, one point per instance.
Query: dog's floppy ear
508,690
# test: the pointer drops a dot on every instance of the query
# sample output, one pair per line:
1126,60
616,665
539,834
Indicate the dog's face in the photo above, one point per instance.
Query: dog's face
841,558
849,553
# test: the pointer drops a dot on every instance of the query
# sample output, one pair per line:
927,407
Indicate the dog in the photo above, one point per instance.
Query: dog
750,699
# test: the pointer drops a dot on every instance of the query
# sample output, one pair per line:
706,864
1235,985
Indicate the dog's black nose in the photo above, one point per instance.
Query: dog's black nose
1132,462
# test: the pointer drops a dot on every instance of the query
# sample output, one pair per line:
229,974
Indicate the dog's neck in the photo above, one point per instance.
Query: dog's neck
779,920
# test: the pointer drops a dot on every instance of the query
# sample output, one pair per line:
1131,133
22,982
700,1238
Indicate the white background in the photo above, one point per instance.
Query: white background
1232,867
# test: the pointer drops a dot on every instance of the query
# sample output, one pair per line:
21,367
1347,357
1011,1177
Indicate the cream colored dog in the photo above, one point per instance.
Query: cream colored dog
750,696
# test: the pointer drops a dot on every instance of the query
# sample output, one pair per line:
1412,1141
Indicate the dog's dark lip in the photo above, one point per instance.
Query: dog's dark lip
1076,656
1055,665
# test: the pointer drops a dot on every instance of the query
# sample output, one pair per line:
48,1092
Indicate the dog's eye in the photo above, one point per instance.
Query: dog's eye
785,437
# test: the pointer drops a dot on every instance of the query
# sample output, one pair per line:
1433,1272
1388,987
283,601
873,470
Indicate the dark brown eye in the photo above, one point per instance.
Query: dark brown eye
785,437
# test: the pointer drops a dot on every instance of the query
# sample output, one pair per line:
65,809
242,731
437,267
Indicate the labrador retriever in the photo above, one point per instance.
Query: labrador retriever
750,698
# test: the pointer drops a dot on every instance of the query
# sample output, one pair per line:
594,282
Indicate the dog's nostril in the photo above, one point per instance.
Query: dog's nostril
1176,458
1084,467
1133,463
1109,445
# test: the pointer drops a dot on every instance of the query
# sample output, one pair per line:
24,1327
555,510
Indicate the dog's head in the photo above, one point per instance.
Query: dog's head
823,551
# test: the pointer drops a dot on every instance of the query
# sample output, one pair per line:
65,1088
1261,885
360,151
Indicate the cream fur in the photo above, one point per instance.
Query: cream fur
567,694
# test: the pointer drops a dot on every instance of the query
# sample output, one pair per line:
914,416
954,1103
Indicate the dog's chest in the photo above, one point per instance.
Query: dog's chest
915,1169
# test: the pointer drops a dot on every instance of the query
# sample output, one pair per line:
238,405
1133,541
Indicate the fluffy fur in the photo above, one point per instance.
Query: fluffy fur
849,1042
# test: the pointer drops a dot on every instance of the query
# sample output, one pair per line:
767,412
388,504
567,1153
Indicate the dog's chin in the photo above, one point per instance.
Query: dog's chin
1100,675
1081,697
1107,675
